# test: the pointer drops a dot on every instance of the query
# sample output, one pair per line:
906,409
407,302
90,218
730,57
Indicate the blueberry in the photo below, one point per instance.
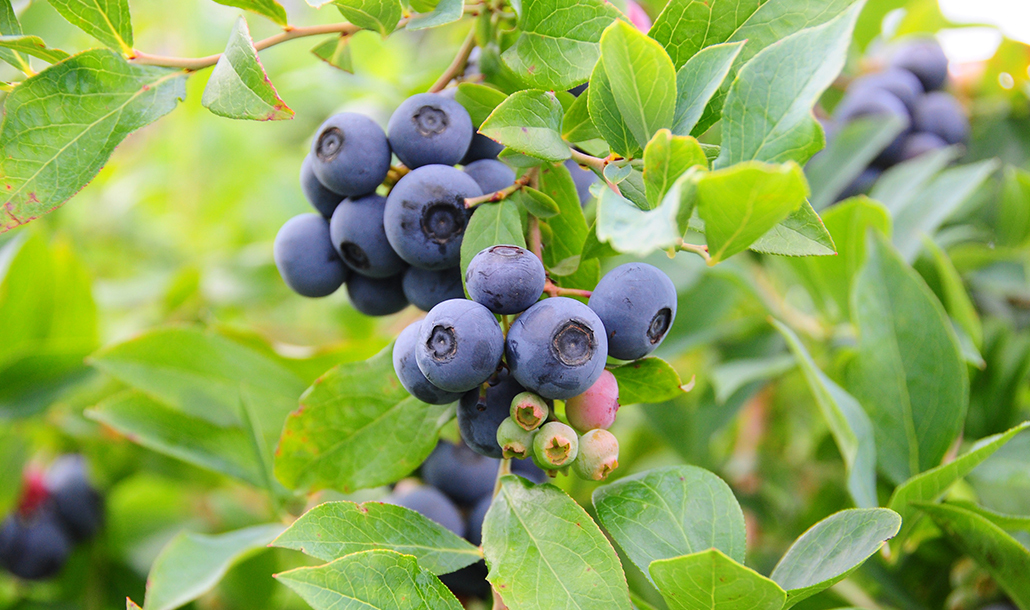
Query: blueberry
360,239
940,113
376,296
598,455
350,154
432,504
426,216
583,179
515,441
528,470
595,408
637,304
462,474
306,259
920,143
862,183
320,198
482,147
555,445
925,59
876,102
557,348
429,128
426,289
529,410
902,83
459,345
476,518
34,547
410,375
480,414
507,279
469,581
579,89
490,174
78,505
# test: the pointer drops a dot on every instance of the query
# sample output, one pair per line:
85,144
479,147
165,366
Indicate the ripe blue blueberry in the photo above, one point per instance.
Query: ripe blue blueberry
940,113
490,174
350,154
426,289
306,259
459,346
528,470
637,304
480,413
870,102
425,215
410,375
476,518
925,59
78,505
360,239
920,143
462,474
376,296
481,147
320,198
430,128
432,504
902,83
507,279
34,547
557,348
583,179
862,183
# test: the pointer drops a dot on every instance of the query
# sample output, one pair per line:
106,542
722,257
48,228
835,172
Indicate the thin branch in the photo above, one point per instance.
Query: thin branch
697,249
536,242
504,193
553,290
458,65
588,160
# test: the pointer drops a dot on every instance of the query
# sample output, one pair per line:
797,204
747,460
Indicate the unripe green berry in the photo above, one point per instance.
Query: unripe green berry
515,441
555,445
598,455
529,410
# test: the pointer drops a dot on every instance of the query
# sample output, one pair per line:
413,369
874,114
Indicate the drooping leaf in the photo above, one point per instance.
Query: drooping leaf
34,46
666,157
238,87
106,20
802,233
335,51
375,15
61,125
370,580
192,564
479,100
356,428
909,374
698,80
529,122
446,11
492,224
545,552
266,8
848,423
650,380
832,549
537,203
559,41
768,110
669,512
335,529
709,580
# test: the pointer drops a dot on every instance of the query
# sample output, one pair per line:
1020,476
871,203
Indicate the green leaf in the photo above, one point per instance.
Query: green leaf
370,580
648,380
266,8
47,153
742,203
848,154
642,79
686,27
492,224
909,374
1004,521
606,116
931,485
698,80
14,454
192,564
10,26
106,20
729,376
536,203
335,529
801,234
709,580
669,512
479,100
832,549
446,11
666,157
848,423
377,15
577,125
956,299
1007,561
634,231
357,428
335,51
768,110
1013,226
34,46
529,122
238,87
544,551
559,41
568,229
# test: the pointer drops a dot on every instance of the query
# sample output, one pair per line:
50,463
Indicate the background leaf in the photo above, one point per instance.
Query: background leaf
479,100
446,11
529,122
376,15
266,8
106,20
698,80
492,224
33,45
709,580
238,87
647,380
666,157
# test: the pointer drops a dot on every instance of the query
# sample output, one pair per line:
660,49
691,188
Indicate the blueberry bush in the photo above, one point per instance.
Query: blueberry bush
524,304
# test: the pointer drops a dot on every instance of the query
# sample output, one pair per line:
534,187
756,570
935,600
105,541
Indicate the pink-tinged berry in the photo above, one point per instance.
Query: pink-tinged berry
529,410
598,455
595,408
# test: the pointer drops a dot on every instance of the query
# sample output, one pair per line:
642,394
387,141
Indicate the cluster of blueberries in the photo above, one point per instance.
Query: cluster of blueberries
404,247
910,87
556,349
57,510
456,491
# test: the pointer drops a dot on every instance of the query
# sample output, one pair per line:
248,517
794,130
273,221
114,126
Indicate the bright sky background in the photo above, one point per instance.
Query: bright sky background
1011,17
